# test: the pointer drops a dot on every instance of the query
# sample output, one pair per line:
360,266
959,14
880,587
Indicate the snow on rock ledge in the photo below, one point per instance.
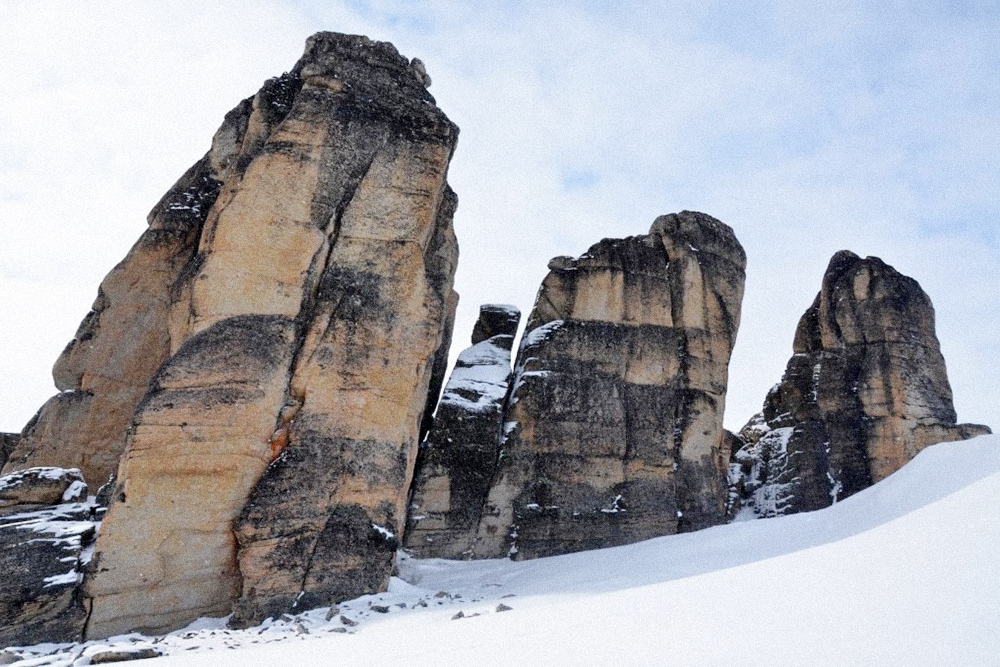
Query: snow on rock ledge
457,460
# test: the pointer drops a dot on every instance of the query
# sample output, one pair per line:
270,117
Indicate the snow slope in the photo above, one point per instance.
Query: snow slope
904,573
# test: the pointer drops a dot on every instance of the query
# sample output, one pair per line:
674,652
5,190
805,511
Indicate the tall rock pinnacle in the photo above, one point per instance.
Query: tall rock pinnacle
613,426
864,392
258,368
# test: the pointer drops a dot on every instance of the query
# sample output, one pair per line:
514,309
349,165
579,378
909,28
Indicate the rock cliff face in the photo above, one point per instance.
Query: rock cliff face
106,369
299,326
613,428
458,459
46,525
864,392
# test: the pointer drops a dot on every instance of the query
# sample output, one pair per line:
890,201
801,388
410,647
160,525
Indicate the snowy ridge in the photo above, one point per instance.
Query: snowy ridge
900,573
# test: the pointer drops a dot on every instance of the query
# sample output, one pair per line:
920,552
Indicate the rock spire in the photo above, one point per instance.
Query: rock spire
257,369
457,461
612,428
865,390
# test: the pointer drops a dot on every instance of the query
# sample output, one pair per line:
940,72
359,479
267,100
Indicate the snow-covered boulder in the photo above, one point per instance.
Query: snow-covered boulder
42,486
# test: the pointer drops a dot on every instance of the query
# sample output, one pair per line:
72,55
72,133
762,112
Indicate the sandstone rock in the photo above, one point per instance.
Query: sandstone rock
306,336
458,459
42,486
613,427
495,319
106,369
865,391
43,551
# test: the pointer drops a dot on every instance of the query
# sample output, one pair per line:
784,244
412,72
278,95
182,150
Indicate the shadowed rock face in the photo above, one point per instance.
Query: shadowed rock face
45,528
613,427
865,391
268,463
7,443
458,459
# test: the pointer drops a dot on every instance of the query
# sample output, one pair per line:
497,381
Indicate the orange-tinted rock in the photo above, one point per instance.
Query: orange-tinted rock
864,392
273,452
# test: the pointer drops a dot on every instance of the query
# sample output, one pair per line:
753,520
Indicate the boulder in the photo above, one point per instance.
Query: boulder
613,426
42,486
864,392
266,469
457,461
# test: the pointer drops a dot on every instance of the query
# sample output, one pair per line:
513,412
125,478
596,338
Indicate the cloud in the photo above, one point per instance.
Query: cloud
847,125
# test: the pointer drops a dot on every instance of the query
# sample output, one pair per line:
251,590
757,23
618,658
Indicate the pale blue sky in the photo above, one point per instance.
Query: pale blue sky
808,127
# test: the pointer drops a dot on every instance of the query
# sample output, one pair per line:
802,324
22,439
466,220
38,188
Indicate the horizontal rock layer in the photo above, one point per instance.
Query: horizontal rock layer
43,550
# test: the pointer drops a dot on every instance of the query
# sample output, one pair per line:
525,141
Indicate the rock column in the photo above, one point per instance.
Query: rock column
268,464
864,392
613,426
458,459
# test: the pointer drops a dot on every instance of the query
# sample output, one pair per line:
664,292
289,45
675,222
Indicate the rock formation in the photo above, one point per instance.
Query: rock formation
7,443
299,294
458,459
613,427
865,390
46,526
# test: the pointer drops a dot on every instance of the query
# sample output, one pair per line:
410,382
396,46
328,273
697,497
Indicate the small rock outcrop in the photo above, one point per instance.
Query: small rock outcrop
42,486
864,392
267,465
613,426
457,461
46,527
7,443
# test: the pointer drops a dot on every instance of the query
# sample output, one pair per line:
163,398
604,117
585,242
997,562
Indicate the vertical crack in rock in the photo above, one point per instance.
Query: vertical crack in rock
268,463
457,461
865,391
614,419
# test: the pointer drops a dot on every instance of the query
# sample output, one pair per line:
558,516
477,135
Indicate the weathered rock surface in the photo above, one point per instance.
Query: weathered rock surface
7,443
459,457
43,551
613,427
865,391
42,486
269,462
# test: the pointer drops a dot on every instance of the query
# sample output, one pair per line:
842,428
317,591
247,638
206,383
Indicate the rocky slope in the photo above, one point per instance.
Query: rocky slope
613,427
864,392
458,459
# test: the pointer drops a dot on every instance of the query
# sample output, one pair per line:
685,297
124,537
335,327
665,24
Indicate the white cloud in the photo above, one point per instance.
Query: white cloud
866,127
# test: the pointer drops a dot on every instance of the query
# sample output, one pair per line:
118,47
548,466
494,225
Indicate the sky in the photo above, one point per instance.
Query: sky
807,127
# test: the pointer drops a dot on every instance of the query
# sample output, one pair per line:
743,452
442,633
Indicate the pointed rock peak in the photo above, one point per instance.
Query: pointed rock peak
496,319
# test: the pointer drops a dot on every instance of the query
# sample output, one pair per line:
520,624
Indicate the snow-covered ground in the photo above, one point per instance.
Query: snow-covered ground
904,573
